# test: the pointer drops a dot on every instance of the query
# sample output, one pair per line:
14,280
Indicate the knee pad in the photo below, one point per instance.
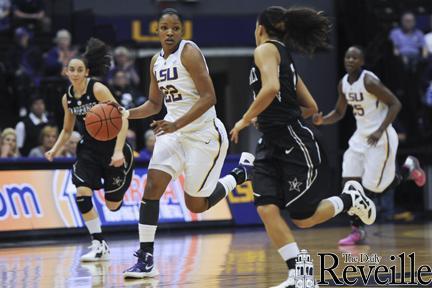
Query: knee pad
84,203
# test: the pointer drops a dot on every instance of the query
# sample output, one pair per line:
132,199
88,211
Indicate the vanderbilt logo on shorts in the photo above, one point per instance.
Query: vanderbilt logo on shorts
295,185
117,181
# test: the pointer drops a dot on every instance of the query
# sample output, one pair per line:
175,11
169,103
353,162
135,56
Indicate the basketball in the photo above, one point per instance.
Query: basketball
103,122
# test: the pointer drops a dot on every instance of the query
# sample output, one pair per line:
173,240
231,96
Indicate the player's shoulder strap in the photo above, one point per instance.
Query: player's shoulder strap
183,43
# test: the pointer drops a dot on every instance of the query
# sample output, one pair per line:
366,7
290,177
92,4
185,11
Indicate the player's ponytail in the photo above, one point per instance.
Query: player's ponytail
301,29
97,57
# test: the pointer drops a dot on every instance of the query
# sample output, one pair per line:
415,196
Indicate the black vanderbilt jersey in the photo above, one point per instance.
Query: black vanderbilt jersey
284,108
80,107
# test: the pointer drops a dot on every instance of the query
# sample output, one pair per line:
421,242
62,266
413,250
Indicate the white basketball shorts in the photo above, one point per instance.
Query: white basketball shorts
199,155
375,165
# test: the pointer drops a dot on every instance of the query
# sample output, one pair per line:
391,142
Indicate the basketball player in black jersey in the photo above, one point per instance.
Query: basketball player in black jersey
290,169
111,160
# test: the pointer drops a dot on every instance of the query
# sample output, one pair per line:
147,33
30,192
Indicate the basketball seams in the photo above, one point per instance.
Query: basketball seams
90,124
106,122
96,119
114,118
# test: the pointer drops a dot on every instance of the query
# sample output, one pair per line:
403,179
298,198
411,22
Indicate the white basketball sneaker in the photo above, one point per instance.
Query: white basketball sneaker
362,205
99,251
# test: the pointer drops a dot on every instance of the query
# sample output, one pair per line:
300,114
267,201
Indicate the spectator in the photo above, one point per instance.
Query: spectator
70,147
5,7
31,13
24,61
125,94
150,140
124,62
58,57
8,140
410,50
408,42
28,130
47,138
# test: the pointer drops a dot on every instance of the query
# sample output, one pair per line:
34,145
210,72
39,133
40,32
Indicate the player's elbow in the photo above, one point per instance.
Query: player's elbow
398,105
212,100
313,108
273,89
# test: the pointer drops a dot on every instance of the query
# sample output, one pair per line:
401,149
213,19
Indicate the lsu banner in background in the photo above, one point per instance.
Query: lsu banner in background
43,199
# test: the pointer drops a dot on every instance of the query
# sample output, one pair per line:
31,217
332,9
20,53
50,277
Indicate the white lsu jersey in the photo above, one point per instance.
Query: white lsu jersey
368,111
179,90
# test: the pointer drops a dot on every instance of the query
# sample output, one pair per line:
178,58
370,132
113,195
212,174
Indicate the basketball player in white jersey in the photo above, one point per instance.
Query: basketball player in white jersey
190,139
371,156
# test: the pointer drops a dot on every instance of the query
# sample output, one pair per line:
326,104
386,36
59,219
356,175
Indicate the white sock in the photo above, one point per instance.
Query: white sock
229,183
94,226
337,204
289,251
409,163
146,232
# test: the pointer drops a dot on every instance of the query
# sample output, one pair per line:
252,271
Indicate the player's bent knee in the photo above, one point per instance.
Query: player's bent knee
113,206
153,191
196,207
84,204
303,224
268,211
372,188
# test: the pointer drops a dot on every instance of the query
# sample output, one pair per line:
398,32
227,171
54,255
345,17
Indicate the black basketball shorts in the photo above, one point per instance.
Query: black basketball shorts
92,170
291,171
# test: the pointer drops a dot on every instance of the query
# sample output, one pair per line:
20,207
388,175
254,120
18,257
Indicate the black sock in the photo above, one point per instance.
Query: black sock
97,236
356,222
147,247
291,263
239,175
218,194
346,200
404,173
149,215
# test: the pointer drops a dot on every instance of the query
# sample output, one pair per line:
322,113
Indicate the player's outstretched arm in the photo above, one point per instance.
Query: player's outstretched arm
155,101
267,59
195,64
103,94
336,114
307,103
383,94
68,125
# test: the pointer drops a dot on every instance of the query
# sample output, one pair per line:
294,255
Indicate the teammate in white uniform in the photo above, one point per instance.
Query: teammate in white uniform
371,156
190,139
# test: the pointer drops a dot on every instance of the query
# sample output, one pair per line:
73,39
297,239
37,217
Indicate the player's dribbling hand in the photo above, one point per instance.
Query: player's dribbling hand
317,118
117,159
374,137
162,127
124,112
240,125
49,155
255,122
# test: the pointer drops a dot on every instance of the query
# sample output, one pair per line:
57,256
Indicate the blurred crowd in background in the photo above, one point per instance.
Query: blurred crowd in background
398,45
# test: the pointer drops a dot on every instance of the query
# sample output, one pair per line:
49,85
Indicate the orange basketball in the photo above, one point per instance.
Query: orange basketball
103,122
